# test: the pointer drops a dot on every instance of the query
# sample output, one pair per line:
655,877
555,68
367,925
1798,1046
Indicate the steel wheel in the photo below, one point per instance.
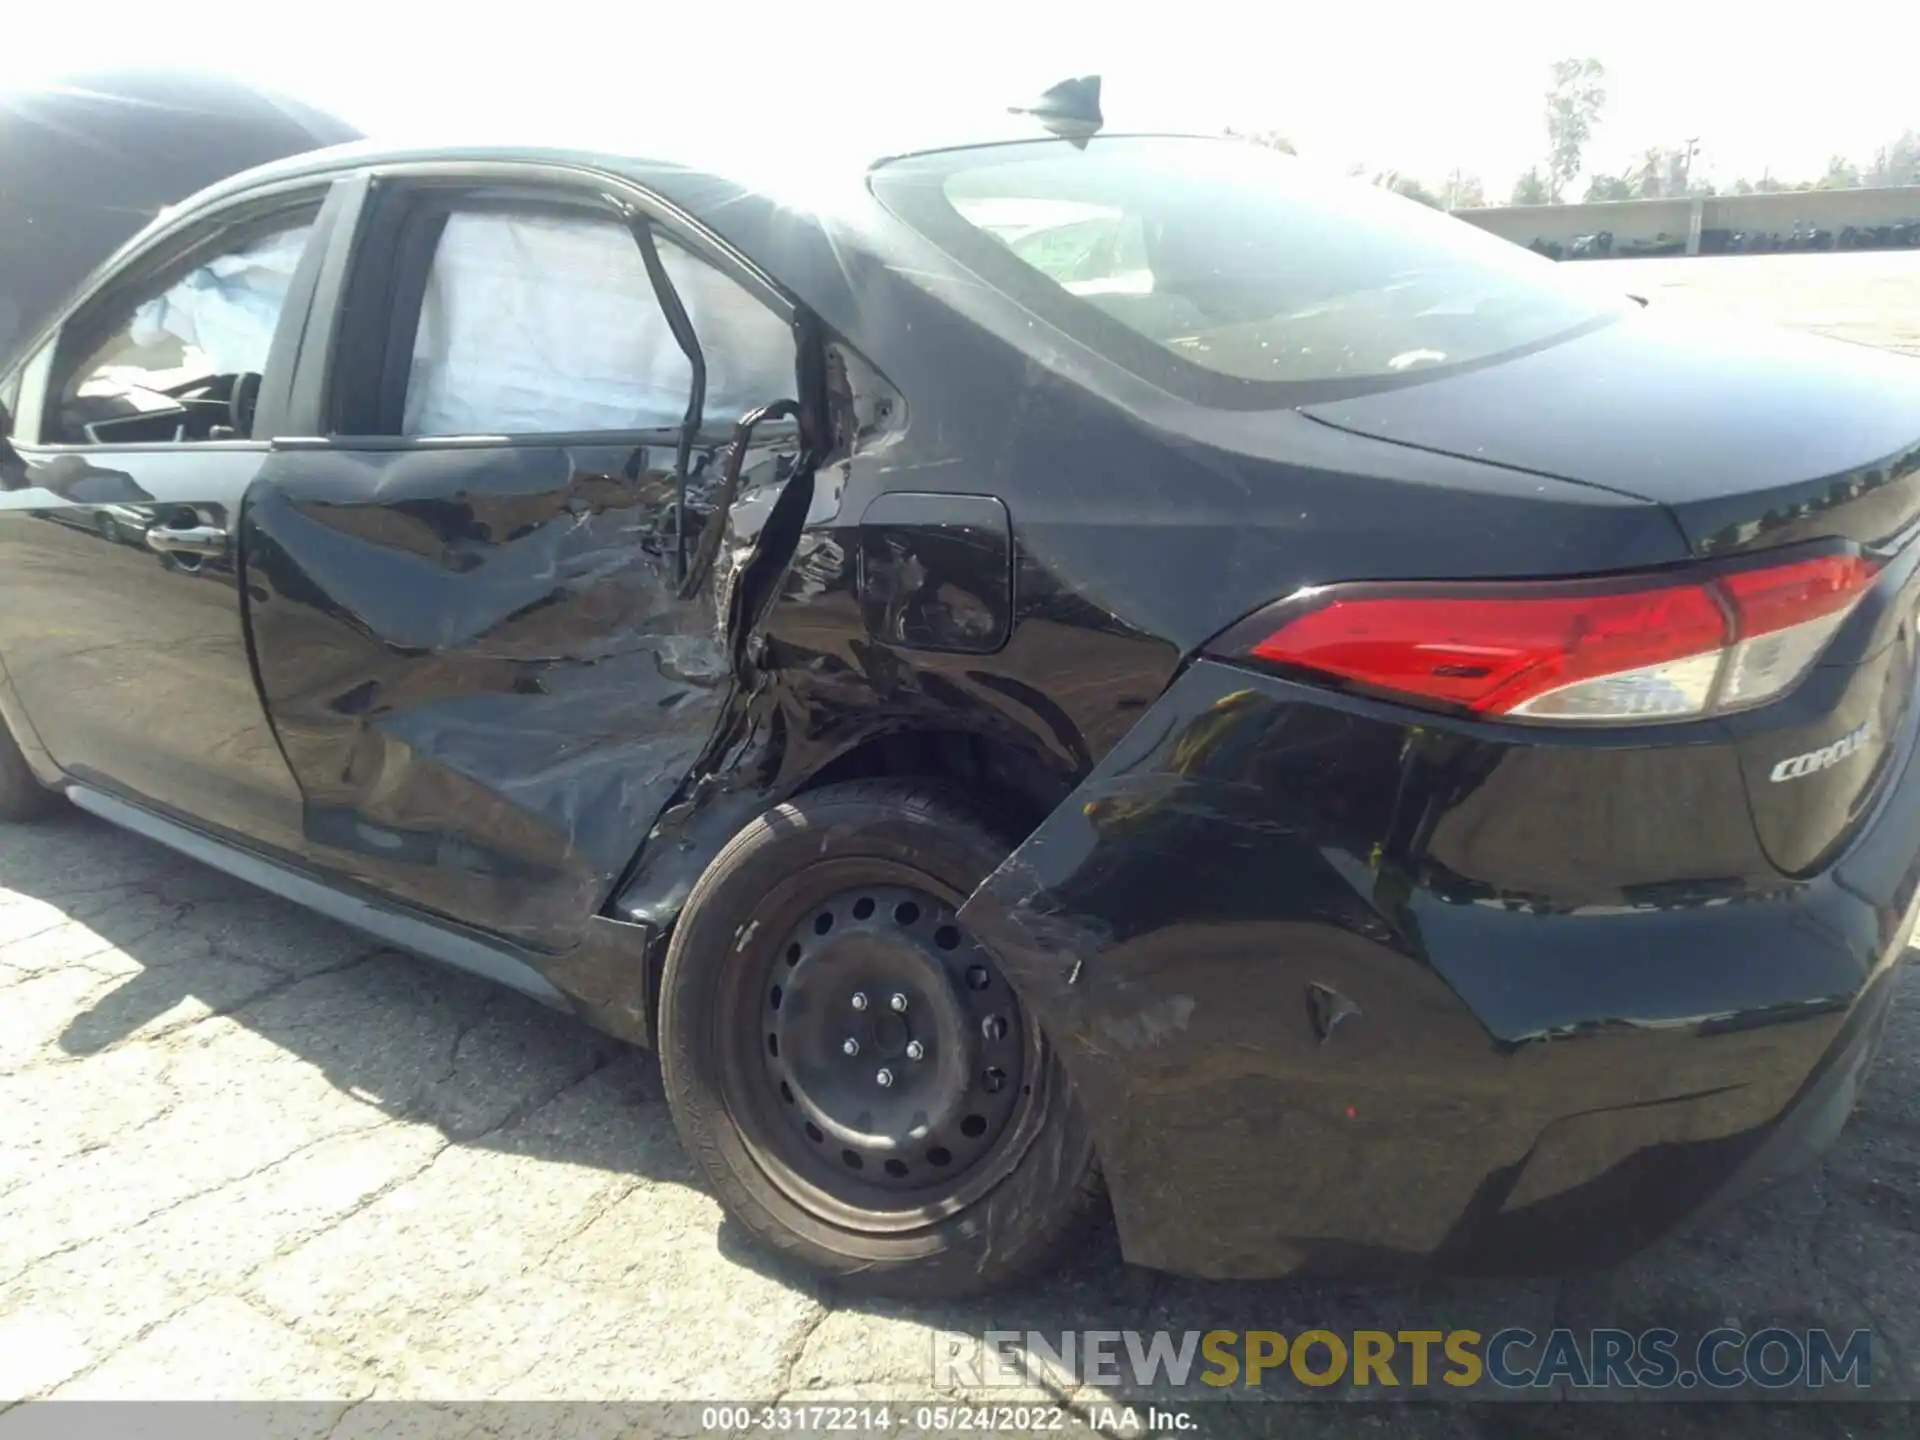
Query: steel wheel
894,1063
969,1165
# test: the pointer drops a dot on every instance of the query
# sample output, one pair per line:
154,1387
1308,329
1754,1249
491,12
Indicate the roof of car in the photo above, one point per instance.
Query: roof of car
361,153
758,168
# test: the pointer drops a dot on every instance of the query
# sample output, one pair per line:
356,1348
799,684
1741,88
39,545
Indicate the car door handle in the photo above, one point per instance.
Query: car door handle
207,540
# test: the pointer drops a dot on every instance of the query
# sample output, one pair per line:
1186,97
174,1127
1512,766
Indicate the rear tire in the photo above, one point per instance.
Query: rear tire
827,923
22,796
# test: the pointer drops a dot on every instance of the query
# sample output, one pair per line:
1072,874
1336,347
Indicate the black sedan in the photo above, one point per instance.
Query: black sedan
1064,666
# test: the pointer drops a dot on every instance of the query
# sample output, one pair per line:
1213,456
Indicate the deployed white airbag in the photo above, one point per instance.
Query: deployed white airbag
227,308
537,324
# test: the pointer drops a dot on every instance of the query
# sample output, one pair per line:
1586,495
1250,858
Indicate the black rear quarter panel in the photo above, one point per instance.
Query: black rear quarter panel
1344,988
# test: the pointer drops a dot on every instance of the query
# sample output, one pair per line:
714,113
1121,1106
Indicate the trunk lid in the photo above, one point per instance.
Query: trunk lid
1750,436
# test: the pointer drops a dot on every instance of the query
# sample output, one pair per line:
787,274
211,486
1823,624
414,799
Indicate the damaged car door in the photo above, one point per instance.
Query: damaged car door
465,595
140,422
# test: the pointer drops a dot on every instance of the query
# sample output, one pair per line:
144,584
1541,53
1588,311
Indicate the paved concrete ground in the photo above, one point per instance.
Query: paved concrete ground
1871,296
246,1154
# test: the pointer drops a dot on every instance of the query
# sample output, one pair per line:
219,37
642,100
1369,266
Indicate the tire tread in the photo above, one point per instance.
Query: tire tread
22,796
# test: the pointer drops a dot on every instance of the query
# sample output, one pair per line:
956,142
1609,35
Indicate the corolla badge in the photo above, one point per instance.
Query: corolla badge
1827,756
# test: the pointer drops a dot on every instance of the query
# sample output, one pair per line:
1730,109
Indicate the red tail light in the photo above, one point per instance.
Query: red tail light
1581,652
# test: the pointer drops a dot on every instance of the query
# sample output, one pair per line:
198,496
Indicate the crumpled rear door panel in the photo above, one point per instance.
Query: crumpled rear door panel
479,671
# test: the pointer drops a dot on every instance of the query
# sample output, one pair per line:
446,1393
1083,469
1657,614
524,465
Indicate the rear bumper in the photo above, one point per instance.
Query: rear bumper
1344,992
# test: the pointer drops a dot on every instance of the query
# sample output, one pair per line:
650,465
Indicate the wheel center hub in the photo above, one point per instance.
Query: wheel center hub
874,1036
890,1036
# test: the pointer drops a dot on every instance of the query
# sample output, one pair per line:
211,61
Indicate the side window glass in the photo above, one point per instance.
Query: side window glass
183,360
543,324
748,348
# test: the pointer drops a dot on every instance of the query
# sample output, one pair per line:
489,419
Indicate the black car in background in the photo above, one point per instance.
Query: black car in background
89,157
1058,665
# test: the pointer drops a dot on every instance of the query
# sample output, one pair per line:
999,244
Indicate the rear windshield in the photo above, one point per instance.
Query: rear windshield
1219,268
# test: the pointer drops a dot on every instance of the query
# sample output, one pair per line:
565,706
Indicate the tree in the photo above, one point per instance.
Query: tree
1610,187
1574,102
1664,173
1398,181
1895,164
1463,192
1530,189
1842,174
1272,139
1411,188
1651,183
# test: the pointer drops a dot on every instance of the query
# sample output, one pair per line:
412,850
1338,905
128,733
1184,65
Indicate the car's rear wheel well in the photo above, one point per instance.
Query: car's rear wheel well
1026,788
1021,788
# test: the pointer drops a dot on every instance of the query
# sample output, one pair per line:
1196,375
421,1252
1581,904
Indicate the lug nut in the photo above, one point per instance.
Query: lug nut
899,1003
915,1050
884,1079
850,1046
859,1000
994,1027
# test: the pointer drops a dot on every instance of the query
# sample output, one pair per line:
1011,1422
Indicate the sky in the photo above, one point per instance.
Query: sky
1423,89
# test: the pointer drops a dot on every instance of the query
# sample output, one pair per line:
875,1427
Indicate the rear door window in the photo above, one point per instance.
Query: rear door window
543,323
